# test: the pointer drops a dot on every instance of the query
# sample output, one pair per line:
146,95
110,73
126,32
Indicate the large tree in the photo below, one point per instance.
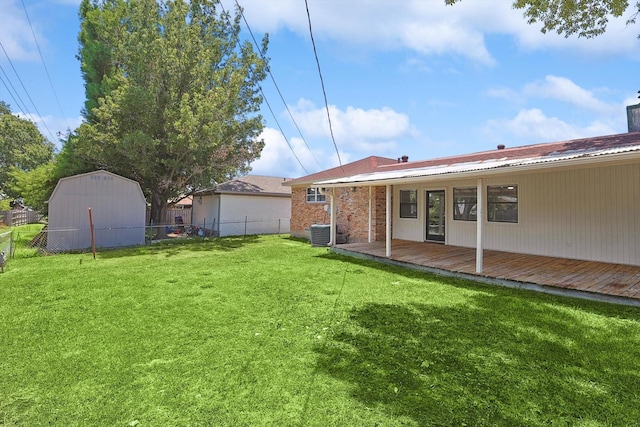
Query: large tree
586,18
172,94
22,148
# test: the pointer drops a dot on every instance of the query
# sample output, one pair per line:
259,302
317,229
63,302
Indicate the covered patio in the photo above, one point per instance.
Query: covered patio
615,283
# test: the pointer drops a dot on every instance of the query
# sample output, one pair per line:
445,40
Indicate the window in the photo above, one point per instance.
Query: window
408,203
316,195
502,203
465,204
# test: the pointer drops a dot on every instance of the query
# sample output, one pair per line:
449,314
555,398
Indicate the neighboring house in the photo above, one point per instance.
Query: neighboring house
184,203
573,199
251,204
117,209
310,204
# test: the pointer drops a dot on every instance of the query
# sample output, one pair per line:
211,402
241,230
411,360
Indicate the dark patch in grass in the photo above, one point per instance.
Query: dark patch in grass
169,248
482,364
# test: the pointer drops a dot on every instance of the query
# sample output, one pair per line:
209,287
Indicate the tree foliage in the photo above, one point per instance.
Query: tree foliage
35,186
586,18
172,94
22,148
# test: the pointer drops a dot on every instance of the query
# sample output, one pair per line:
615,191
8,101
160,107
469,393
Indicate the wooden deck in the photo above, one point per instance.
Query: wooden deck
597,280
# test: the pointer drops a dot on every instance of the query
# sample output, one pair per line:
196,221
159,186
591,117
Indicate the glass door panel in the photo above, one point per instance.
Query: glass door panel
436,215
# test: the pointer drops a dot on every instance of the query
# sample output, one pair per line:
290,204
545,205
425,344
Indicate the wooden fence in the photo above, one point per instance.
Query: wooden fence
170,217
19,217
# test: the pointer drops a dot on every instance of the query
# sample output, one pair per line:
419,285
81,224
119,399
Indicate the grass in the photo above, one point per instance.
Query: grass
269,331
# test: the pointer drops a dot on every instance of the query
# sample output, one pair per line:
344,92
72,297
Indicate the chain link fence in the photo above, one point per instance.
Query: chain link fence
81,240
6,243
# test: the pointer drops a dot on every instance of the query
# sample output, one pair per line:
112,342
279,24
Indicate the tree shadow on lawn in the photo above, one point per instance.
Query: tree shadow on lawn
173,247
481,366
503,357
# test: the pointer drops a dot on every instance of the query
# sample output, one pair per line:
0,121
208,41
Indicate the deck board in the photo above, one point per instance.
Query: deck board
594,277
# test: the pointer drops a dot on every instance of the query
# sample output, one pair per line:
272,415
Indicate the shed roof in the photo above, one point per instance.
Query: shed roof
574,152
61,181
251,185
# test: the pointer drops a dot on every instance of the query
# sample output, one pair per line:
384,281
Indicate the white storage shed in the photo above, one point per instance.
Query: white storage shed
251,204
117,205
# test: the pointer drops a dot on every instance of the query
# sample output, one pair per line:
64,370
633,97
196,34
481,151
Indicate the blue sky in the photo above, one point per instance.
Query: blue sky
410,77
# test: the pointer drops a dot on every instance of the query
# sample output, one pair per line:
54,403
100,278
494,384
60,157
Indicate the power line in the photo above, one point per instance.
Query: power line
255,42
19,102
27,93
283,135
269,105
45,66
326,103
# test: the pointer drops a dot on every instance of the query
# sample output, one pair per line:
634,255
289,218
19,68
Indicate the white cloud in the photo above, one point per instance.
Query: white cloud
428,27
15,34
563,89
533,125
278,159
357,133
371,131
52,127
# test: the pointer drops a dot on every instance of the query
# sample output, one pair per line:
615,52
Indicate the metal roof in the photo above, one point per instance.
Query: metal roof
490,166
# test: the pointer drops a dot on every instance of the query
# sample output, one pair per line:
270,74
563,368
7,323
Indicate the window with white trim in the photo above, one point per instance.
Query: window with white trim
316,195
408,203
465,204
502,203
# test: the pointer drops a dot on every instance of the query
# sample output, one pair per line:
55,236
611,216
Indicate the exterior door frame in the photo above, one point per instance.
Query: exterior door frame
440,215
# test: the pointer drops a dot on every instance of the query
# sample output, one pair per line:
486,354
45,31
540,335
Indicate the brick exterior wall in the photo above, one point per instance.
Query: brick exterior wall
352,213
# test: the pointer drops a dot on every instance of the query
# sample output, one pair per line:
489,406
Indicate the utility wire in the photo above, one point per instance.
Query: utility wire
276,85
270,109
19,102
326,103
282,132
45,66
27,92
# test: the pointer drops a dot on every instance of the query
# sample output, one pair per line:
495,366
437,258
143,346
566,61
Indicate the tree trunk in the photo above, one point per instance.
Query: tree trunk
158,215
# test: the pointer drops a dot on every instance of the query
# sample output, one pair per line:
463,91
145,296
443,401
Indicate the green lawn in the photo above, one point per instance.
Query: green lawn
269,331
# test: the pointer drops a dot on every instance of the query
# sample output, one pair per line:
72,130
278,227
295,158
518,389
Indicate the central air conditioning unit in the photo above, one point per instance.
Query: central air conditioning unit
320,234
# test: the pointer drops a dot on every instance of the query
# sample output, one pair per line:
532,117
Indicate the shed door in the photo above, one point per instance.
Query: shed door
435,215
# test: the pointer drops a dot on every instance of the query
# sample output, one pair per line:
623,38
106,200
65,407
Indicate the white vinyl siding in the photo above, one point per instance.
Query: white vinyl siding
591,214
235,215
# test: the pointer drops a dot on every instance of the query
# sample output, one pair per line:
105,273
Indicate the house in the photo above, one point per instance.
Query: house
310,204
572,199
251,204
117,211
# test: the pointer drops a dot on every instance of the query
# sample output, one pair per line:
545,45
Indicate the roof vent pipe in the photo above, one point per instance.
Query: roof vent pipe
501,147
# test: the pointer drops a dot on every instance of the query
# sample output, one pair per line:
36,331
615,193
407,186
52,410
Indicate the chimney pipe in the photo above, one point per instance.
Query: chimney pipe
633,118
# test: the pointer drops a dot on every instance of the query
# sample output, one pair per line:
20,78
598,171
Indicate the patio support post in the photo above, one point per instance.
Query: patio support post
480,203
388,214
370,216
332,220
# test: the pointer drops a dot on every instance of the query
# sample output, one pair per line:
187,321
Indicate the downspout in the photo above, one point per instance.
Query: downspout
479,219
388,215
370,238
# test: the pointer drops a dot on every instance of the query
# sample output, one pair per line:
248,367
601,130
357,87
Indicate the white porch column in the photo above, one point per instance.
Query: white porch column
370,215
332,220
388,214
480,203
